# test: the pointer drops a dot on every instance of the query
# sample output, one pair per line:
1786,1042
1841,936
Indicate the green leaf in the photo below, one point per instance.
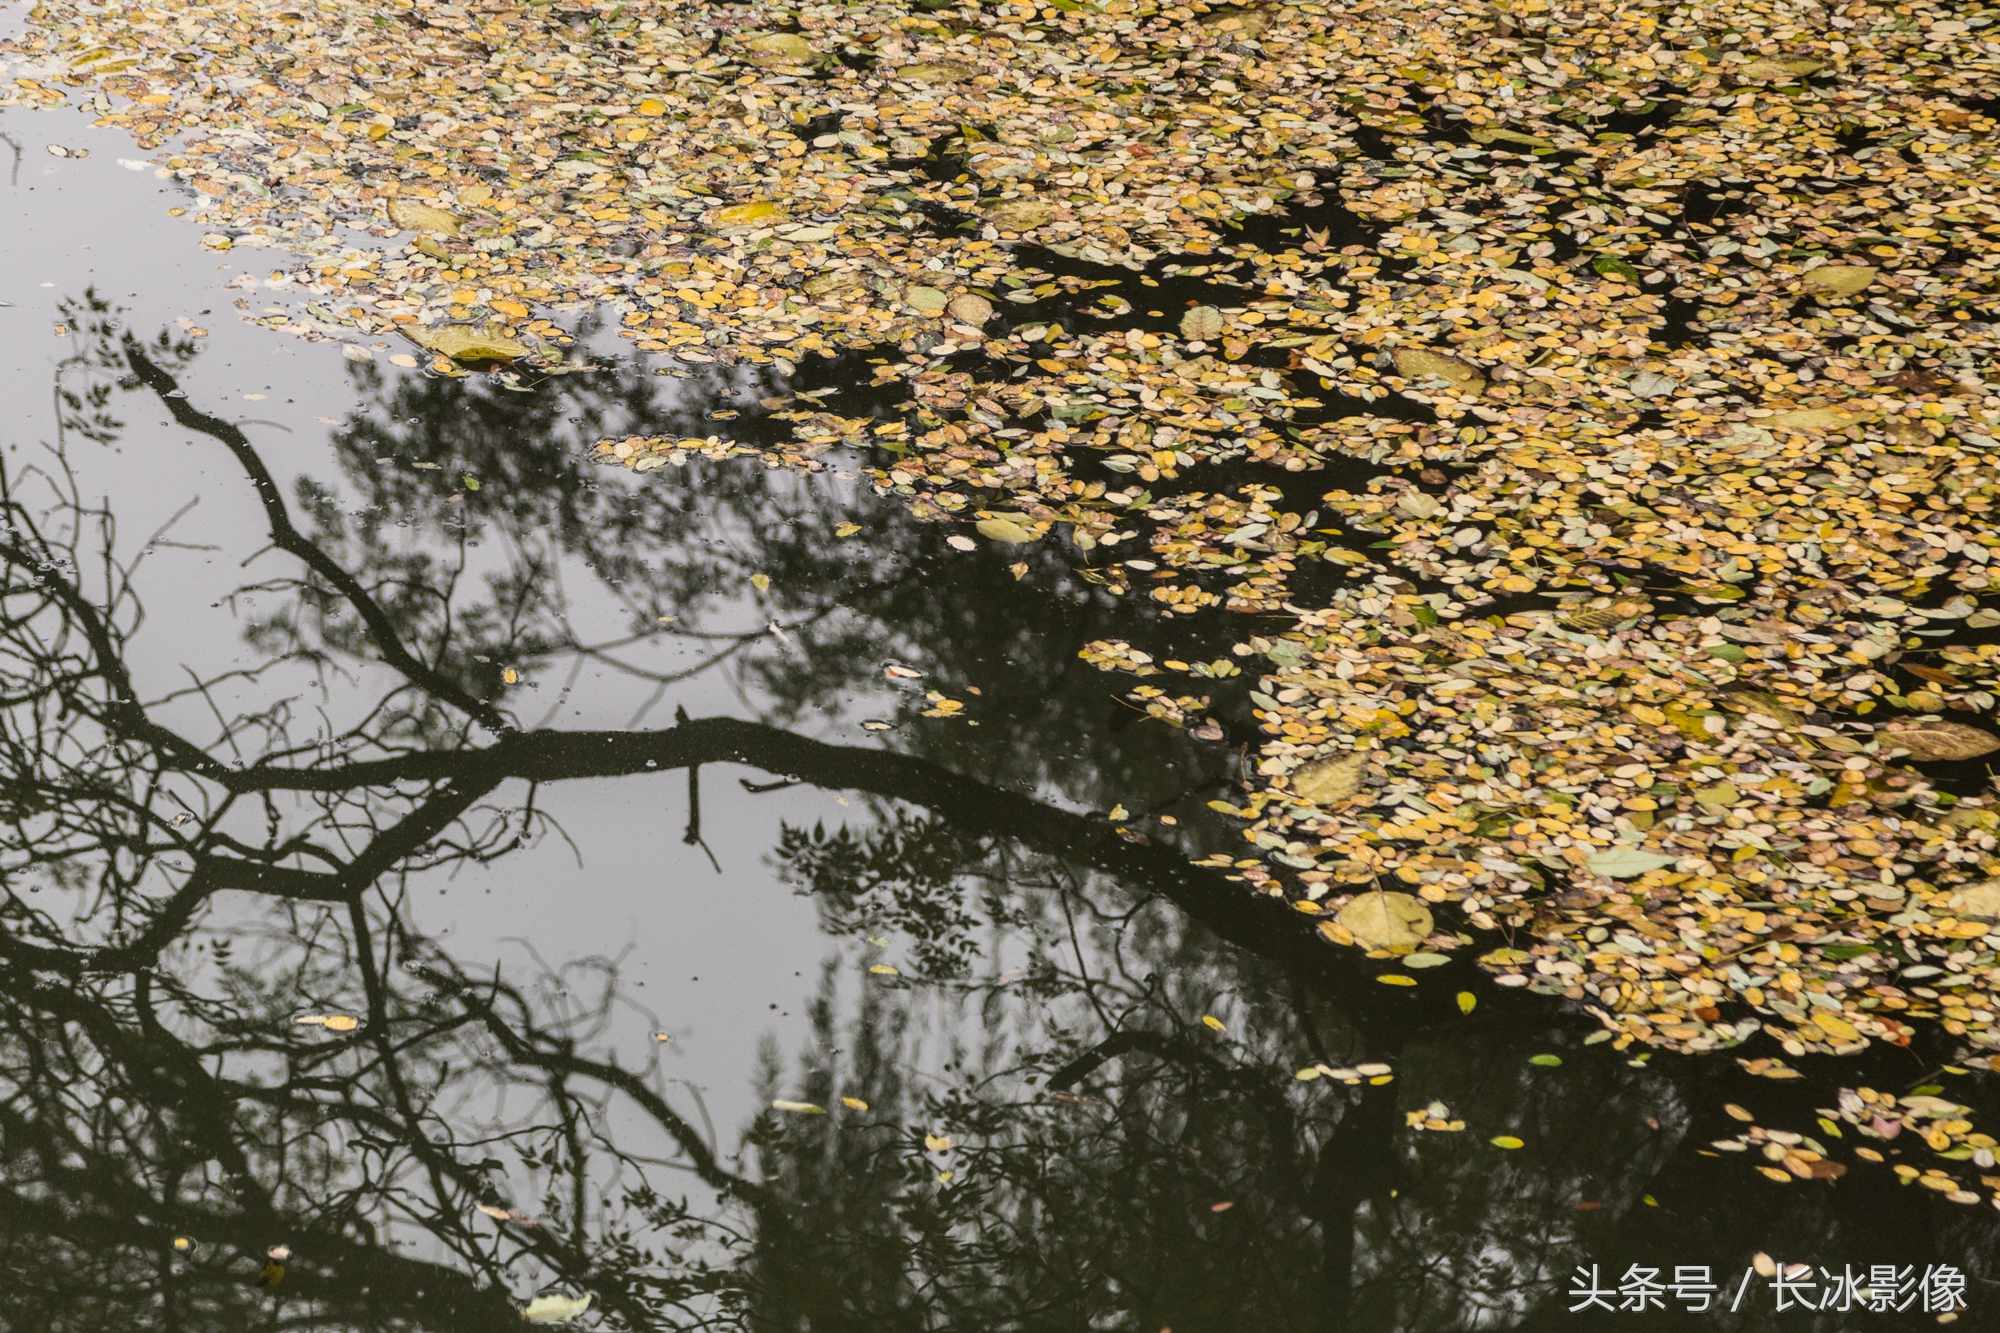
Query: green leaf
1612,267
1840,953
1728,652
1505,1141
1546,1061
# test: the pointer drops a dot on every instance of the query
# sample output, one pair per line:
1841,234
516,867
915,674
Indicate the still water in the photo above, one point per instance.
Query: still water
447,878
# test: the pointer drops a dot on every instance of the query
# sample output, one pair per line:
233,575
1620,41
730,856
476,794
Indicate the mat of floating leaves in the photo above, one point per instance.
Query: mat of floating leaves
1863,1118
1722,383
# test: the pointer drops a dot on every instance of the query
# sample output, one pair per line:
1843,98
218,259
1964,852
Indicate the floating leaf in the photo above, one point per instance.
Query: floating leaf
883,970
468,342
1331,780
1611,266
1423,960
1812,418
1201,323
748,215
1839,279
799,1108
1738,1113
942,71
341,1023
1546,1061
410,215
854,1103
970,309
774,48
937,1143
1416,363
1018,214
1382,920
1396,979
1210,1021
1977,900
1938,742
1003,530
1626,862
1497,134
556,1309
1467,1001
1507,1141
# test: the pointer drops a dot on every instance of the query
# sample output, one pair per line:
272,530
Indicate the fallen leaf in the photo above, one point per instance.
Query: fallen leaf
1383,920
969,309
1424,960
799,1108
555,1309
409,215
468,342
1938,742
1839,279
1505,1141
1416,363
1546,1061
1331,780
1003,530
1626,862
1201,323
1210,1021
854,1103
1467,1002
745,215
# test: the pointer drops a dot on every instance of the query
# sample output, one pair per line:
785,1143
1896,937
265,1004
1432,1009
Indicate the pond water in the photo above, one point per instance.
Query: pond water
447,876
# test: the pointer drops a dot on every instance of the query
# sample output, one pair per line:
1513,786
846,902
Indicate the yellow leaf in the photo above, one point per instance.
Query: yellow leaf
1416,363
937,1143
779,48
511,308
1211,1021
760,581
847,530
1467,1001
1381,920
1332,780
652,106
1505,1141
743,215
1336,932
556,1309
341,1023
854,1103
409,215
1396,979
883,970
1003,530
468,342
1840,279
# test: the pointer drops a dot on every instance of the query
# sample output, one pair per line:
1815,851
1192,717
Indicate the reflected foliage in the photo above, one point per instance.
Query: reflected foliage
1029,1122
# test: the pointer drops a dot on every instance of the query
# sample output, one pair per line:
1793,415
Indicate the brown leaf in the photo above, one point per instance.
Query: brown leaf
1932,674
1937,742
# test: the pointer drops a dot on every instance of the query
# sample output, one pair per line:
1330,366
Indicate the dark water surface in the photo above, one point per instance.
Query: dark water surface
372,698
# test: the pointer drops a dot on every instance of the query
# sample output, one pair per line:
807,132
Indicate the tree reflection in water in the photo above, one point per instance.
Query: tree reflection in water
165,1119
